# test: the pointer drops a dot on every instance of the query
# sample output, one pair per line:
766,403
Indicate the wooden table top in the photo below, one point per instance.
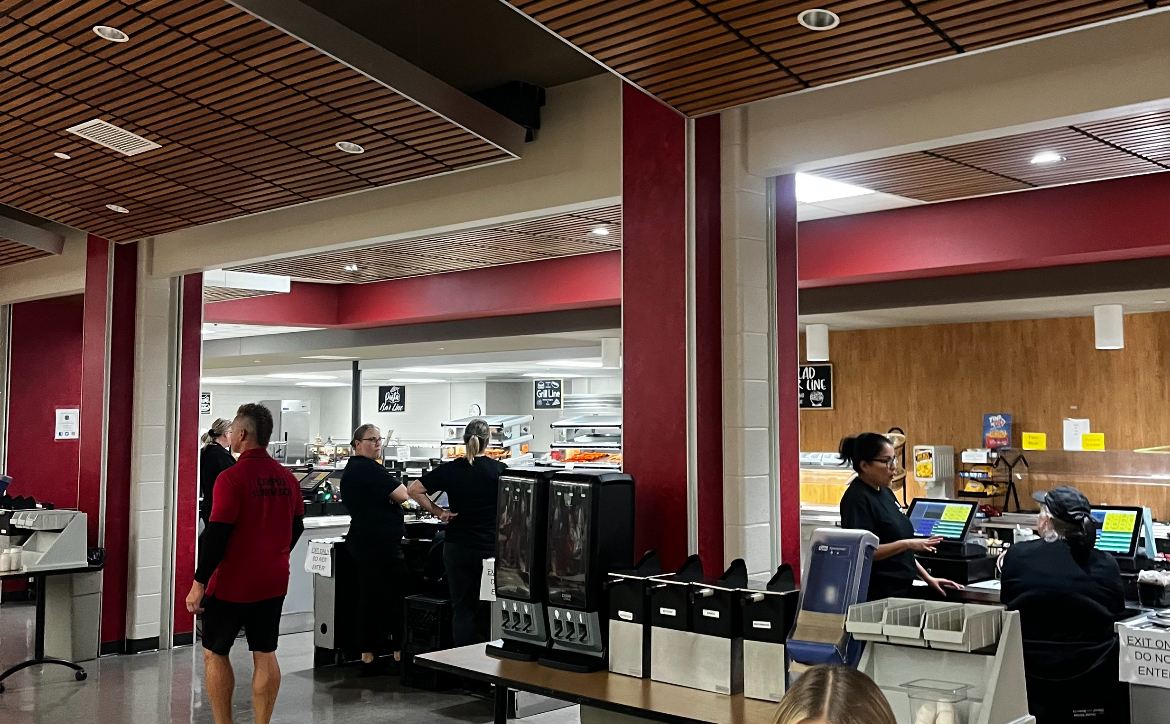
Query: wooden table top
615,692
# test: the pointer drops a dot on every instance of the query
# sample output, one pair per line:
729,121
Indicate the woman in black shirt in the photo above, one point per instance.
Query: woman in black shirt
471,483
869,504
213,459
374,497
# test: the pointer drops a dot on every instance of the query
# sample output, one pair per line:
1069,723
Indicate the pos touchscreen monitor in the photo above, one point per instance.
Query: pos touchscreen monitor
1118,527
950,519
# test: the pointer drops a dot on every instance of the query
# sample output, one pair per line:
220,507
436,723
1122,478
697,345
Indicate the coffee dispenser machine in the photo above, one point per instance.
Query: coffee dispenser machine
629,617
521,546
768,615
590,535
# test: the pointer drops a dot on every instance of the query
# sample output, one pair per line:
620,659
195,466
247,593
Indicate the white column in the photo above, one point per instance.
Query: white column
150,578
749,440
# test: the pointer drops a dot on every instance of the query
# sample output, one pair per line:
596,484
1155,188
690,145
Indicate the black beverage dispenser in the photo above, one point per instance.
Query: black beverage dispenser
521,528
590,535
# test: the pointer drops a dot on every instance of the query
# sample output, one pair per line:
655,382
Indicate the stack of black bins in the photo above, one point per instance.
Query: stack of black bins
426,628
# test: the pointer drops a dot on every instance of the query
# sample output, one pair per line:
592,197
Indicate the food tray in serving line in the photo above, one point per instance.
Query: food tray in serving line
904,618
968,627
864,620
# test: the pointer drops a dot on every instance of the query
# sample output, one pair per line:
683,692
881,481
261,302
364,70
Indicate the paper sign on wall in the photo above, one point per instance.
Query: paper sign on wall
204,403
1093,441
319,559
1074,428
68,424
1035,441
1145,657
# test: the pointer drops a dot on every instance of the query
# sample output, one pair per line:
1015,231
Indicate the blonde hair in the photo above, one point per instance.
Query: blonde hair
475,439
217,430
835,695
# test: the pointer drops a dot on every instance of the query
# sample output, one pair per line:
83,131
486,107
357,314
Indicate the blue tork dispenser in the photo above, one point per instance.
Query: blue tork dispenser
835,578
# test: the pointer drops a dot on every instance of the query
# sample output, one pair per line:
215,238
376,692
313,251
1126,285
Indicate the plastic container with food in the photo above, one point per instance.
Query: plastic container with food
937,702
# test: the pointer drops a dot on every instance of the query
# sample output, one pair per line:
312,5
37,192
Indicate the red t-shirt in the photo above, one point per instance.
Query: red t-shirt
260,498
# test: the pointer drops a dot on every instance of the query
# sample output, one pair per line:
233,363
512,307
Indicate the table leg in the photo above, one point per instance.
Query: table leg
39,643
501,716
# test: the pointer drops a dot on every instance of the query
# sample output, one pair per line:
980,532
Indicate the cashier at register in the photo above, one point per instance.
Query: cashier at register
1069,595
869,504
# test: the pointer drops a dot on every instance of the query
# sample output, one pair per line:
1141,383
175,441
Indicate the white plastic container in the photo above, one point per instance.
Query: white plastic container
864,621
963,628
937,702
902,622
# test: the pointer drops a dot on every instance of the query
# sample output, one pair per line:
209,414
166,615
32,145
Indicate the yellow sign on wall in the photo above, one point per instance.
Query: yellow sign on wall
1093,441
1035,441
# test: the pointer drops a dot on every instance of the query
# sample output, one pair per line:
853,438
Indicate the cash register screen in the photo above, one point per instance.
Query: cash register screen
948,518
1117,529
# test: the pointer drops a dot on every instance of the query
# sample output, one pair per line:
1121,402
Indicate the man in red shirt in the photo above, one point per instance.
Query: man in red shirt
242,577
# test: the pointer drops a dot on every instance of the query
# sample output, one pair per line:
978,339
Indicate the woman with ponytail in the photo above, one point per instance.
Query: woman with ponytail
214,458
1069,595
471,484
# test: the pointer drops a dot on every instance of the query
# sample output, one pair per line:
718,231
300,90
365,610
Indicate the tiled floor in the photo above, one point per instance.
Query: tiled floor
167,686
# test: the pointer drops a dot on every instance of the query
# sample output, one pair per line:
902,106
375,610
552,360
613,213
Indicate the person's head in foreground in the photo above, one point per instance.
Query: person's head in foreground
834,695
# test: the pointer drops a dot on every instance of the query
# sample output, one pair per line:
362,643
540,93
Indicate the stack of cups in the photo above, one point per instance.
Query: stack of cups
9,560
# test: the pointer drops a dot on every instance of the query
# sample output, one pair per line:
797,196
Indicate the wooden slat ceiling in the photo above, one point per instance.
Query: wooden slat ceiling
564,235
247,117
1092,151
705,55
14,253
224,294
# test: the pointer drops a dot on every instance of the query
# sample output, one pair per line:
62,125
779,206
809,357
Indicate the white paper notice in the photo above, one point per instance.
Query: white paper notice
487,581
319,559
68,424
1073,429
1145,657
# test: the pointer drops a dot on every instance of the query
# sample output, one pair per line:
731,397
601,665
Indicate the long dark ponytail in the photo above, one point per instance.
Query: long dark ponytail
864,447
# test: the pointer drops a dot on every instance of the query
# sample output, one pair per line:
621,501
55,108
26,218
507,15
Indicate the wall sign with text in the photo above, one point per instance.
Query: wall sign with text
204,403
816,387
549,395
392,398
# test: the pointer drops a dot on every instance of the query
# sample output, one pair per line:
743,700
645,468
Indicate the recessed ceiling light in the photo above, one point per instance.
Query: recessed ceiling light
221,381
600,231
288,376
119,209
348,147
446,370
812,189
327,356
1047,157
404,380
351,267
323,384
105,32
818,19
62,156
564,375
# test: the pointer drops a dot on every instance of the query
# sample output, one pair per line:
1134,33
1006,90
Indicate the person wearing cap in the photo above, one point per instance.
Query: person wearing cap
1069,595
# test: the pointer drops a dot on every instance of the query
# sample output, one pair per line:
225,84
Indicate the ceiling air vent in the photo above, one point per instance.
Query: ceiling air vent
112,137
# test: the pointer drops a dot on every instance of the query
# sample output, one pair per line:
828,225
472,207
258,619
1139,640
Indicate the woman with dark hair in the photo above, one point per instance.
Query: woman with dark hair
869,504
214,458
834,695
471,484
1069,595
374,497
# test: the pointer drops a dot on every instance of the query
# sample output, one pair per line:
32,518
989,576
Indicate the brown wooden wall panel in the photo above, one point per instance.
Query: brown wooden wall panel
705,55
14,253
937,382
246,115
563,235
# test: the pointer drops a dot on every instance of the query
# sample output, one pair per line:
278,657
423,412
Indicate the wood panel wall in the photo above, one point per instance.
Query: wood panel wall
936,382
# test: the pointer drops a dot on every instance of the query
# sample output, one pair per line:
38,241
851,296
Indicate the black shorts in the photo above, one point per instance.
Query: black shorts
222,621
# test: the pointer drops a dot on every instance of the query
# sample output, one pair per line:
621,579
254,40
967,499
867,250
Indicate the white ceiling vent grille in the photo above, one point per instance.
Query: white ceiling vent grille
112,137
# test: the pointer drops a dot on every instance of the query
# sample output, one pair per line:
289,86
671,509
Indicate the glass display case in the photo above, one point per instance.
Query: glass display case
328,454
588,440
511,437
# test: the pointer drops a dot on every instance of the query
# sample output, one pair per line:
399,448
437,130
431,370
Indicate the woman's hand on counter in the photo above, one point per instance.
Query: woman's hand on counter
939,584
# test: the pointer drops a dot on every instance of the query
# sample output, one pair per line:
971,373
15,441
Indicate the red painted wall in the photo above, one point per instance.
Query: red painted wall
709,338
187,497
576,282
1103,221
788,362
654,321
46,374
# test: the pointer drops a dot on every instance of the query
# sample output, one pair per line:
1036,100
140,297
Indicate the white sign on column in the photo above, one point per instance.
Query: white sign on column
68,424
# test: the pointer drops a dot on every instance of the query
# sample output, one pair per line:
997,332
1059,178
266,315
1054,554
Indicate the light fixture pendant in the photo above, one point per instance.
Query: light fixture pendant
1109,326
818,19
816,342
105,32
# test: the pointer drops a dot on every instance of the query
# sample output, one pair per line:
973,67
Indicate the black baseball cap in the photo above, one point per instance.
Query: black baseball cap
1066,503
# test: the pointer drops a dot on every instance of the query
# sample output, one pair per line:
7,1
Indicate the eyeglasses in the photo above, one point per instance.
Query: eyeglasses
888,462
370,439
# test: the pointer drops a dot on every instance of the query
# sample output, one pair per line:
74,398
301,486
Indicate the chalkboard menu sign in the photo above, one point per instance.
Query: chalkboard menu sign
392,398
816,387
548,395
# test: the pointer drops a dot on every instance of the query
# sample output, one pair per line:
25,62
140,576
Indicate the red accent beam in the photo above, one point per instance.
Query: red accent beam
578,282
187,496
93,381
788,362
1079,224
654,322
